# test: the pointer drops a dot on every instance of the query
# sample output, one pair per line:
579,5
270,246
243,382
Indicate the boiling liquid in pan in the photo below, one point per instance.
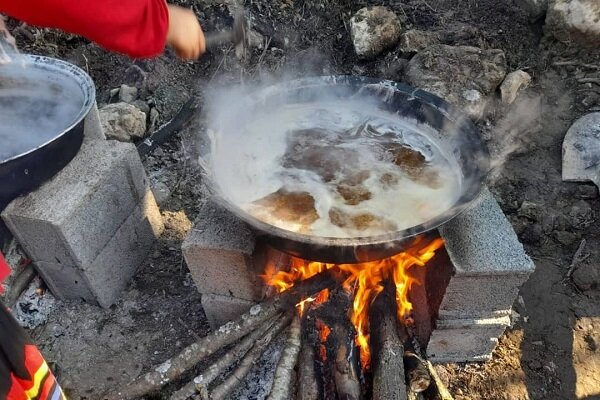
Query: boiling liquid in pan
339,169
33,109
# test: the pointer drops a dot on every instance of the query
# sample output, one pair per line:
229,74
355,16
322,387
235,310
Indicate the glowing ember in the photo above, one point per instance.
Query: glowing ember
364,280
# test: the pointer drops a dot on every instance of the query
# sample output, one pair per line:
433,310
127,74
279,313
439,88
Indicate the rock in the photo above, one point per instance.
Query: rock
142,106
462,75
587,276
535,364
513,84
574,21
581,150
530,210
123,122
586,192
535,8
373,30
128,94
581,214
161,193
565,238
154,118
415,40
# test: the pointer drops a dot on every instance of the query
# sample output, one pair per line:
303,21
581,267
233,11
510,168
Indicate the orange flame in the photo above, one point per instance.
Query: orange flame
364,280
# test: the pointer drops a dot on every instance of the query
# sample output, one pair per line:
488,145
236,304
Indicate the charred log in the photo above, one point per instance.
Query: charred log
346,374
284,374
417,374
223,390
387,363
228,334
308,387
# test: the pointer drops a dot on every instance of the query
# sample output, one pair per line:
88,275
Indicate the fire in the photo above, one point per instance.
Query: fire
364,280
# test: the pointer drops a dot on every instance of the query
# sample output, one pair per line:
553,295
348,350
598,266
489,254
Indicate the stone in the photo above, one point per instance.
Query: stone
462,345
581,214
513,84
535,8
142,106
373,30
217,252
530,210
161,192
462,75
581,150
92,225
154,119
221,309
414,40
587,276
482,242
128,94
574,21
123,122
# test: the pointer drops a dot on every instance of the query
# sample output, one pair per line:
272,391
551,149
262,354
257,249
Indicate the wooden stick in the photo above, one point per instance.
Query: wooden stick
347,382
225,335
284,374
442,391
308,387
232,382
223,364
417,376
388,366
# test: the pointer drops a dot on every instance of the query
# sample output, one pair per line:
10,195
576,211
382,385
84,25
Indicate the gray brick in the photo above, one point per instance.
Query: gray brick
473,295
218,254
71,218
461,345
482,241
66,282
116,264
92,128
221,309
490,322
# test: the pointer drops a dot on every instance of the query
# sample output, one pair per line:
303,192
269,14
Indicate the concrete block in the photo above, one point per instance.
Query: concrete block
116,264
481,294
71,218
218,254
221,309
470,314
102,281
92,129
481,241
499,322
461,345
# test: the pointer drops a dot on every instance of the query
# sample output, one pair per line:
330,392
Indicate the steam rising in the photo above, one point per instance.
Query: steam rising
336,167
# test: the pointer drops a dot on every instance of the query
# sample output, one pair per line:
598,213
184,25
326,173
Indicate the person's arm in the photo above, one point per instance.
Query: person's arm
138,28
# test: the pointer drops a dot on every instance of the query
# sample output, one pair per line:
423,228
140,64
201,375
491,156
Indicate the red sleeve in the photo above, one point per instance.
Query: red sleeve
137,28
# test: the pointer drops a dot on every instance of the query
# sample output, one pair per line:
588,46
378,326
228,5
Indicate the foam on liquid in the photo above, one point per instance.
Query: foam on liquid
248,163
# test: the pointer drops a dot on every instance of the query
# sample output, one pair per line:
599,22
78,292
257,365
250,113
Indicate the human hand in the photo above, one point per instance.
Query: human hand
185,34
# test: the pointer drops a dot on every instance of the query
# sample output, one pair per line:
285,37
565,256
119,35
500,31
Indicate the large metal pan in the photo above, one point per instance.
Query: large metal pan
35,159
454,132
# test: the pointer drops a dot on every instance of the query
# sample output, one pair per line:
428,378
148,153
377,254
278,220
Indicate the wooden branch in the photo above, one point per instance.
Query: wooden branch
308,387
207,376
387,363
232,382
346,376
417,375
442,392
284,374
224,336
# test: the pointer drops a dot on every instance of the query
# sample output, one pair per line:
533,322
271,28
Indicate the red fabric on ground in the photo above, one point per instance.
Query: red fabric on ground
4,271
137,28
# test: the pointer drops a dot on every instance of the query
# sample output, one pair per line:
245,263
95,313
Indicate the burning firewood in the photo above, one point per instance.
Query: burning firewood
209,375
388,365
284,374
346,375
232,382
417,375
228,334
308,387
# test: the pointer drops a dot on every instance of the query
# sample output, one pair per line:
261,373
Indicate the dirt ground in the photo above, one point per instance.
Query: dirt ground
551,352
